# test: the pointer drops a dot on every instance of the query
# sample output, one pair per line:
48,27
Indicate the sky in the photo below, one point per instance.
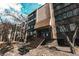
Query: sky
16,9
25,8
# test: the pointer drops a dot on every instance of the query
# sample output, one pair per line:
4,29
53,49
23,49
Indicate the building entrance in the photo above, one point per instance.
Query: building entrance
44,34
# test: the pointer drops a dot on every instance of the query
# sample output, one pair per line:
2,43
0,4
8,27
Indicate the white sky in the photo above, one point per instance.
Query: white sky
15,6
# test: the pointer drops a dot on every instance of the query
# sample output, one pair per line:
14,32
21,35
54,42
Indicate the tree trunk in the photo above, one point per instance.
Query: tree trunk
1,38
72,50
9,35
25,37
15,32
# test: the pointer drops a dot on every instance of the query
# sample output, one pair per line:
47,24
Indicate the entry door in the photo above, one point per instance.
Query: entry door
46,34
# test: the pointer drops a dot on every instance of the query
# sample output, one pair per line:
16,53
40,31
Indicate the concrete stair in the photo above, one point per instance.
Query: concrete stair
35,42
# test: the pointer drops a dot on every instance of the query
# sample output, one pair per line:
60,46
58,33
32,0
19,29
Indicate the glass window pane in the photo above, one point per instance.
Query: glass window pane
75,12
69,14
64,15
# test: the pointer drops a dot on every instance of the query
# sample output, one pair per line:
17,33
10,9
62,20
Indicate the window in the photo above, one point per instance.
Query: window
63,29
69,14
64,15
35,18
32,16
59,17
34,32
73,6
63,10
75,12
58,12
72,27
58,7
66,9
31,26
47,34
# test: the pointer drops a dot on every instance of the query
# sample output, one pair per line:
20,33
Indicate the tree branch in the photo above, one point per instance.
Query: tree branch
75,35
68,39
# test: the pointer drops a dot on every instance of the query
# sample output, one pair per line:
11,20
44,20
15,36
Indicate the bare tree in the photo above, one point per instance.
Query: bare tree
21,19
18,18
71,43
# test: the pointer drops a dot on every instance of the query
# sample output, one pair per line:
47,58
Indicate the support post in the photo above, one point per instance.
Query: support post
52,22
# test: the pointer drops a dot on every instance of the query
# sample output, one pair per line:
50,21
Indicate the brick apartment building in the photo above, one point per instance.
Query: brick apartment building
50,20
45,23
67,19
41,23
30,23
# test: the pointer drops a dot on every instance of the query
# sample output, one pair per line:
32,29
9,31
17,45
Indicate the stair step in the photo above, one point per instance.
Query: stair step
35,42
